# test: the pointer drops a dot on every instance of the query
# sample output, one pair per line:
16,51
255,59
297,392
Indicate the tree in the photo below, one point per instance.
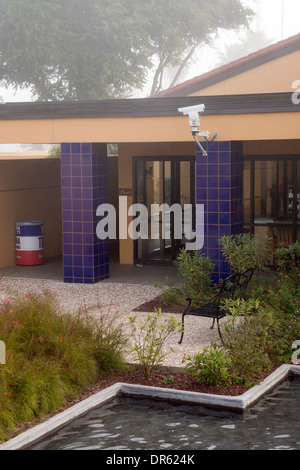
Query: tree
79,50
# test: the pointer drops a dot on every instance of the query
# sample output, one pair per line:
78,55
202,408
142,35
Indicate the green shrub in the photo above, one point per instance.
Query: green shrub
210,366
51,357
195,272
244,251
149,338
288,260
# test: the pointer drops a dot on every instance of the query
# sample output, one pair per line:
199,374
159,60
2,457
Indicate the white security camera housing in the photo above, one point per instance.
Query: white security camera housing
193,112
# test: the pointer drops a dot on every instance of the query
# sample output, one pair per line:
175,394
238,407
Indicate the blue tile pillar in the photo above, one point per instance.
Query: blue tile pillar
84,188
219,186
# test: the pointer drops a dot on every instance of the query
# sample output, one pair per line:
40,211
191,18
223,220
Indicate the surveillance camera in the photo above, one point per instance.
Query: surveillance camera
193,112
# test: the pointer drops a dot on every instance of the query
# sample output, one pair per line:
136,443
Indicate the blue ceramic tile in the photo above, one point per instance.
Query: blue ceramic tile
213,218
201,195
76,193
66,193
77,251
68,260
68,271
67,238
75,148
86,147
225,218
212,182
67,215
67,227
77,205
77,238
77,261
77,226
224,194
66,182
77,216
76,170
224,206
65,147
212,206
224,146
68,249
201,182
212,194
213,170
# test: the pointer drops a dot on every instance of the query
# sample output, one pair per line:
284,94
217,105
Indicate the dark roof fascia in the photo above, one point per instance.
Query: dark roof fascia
150,107
230,70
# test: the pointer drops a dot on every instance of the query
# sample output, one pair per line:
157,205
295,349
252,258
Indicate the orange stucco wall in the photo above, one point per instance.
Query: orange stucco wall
265,126
275,76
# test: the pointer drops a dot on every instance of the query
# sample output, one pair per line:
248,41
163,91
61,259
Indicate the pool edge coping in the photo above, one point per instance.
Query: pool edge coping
238,403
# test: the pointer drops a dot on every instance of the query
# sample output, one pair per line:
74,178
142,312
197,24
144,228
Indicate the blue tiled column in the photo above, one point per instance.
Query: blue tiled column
84,188
219,186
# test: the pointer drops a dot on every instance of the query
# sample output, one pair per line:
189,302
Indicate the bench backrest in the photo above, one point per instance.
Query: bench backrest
234,286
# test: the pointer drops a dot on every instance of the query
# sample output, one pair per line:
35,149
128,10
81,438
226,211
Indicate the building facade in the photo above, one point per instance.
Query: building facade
249,182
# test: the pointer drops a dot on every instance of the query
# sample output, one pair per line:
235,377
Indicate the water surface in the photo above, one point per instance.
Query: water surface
142,424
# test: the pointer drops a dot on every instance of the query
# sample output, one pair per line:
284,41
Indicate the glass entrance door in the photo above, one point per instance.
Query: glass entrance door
159,184
272,198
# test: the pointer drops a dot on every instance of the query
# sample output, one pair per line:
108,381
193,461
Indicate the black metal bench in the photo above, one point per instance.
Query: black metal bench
231,288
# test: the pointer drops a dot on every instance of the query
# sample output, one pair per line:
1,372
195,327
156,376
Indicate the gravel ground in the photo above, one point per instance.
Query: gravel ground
120,300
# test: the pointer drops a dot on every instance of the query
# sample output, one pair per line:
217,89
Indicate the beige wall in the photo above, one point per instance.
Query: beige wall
126,152
30,190
275,76
265,126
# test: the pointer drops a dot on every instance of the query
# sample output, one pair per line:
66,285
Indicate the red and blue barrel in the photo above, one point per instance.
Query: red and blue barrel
29,243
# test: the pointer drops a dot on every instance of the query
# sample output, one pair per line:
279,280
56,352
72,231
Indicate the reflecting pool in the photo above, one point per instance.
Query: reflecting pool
142,424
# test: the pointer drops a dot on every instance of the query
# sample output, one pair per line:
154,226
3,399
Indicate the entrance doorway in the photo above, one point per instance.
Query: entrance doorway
272,197
168,181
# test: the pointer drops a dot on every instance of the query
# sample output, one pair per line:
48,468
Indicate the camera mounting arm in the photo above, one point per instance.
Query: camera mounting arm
194,122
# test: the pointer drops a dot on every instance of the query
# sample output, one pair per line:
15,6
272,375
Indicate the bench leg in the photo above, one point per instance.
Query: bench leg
212,326
182,332
220,334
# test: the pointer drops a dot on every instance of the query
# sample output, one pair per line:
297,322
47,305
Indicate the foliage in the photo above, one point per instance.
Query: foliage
78,50
149,339
210,366
195,272
54,152
51,357
244,251
168,380
288,258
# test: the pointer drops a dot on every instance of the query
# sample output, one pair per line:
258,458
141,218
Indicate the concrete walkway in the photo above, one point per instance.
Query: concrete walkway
52,269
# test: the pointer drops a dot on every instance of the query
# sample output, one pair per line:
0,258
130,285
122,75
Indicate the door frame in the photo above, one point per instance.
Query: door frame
175,193
295,159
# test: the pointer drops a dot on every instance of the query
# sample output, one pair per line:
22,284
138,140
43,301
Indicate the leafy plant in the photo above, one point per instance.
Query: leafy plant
150,337
168,380
51,356
288,258
195,271
244,251
210,366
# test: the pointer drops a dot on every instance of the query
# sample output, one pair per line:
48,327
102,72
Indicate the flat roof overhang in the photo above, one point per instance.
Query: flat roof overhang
265,116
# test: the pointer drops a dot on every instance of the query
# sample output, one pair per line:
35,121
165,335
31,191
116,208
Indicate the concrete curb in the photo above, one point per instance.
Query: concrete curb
238,403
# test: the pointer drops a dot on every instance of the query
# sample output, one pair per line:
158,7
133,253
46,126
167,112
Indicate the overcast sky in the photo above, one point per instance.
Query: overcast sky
278,19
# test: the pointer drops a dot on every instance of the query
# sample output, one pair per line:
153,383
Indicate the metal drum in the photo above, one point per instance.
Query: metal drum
29,243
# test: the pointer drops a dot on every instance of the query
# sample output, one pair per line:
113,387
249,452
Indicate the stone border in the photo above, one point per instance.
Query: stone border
239,403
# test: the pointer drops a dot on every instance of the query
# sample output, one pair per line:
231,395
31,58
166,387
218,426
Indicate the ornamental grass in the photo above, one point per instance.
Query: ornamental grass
50,356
